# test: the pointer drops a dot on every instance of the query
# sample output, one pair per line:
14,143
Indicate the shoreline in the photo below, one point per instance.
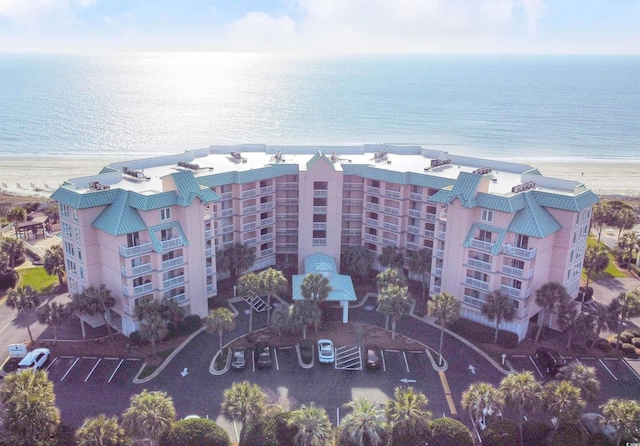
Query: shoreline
42,175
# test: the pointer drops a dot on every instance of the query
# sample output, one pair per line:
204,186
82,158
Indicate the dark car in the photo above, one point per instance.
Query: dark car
238,361
373,358
263,356
551,360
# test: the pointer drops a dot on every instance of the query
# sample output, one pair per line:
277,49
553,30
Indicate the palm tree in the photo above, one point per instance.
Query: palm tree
572,320
623,307
365,426
624,416
315,287
407,416
547,296
498,307
101,431
628,242
562,399
625,218
172,312
305,313
54,262
521,392
394,302
13,248
17,214
243,402
280,318
273,282
150,415
250,285
236,259
312,425
153,328
53,314
357,261
31,415
584,378
97,300
24,299
600,216
219,320
596,260
420,262
445,308
481,399
391,257
390,276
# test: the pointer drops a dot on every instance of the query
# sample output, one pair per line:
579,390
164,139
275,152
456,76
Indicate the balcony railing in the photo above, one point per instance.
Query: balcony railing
287,216
352,201
389,242
319,242
320,225
209,270
248,193
352,186
285,201
287,247
250,241
352,217
438,272
442,234
413,230
266,190
226,212
130,251
392,193
371,222
436,289
136,270
266,206
180,298
170,244
479,264
208,233
266,252
415,196
320,209
320,193
287,231
211,288
429,233
267,221
227,229
439,253
519,252
249,210
208,252
175,281
265,237
430,217
373,190
515,292
474,301
517,272
172,263
390,227
415,213
286,185
138,290
371,206
351,231
249,226
443,215
476,283
412,246
391,210
481,245
226,195
370,237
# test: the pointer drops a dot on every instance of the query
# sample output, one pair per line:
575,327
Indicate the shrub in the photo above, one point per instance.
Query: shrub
636,342
136,340
602,344
628,350
624,338
197,432
482,333
569,434
270,430
8,279
447,431
190,324
535,432
629,334
501,433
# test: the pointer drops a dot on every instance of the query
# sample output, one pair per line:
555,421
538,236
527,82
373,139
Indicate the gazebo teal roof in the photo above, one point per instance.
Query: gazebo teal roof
318,263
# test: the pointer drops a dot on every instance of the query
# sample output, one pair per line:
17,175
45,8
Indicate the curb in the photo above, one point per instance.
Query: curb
225,369
301,362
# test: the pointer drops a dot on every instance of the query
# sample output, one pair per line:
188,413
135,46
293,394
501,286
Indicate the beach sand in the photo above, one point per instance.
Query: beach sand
40,176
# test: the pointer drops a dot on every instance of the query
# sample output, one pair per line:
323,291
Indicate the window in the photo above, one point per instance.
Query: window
133,239
68,248
486,215
165,214
79,254
73,286
75,215
484,236
71,267
64,211
77,235
81,273
66,229
320,185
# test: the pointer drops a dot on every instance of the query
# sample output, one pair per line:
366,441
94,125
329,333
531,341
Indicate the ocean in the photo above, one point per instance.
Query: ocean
144,104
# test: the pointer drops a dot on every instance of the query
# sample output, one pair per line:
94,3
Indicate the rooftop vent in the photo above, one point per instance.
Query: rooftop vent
380,154
334,157
437,163
96,185
192,166
237,157
278,156
523,187
482,171
135,175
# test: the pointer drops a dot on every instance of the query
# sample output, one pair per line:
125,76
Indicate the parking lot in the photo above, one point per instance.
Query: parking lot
92,369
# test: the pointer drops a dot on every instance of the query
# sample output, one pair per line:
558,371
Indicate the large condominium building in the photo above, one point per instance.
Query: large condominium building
150,228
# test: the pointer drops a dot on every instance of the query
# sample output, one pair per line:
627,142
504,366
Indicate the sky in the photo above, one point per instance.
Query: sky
322,26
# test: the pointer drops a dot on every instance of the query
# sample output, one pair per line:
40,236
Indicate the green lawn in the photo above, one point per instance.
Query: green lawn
612,270
38,278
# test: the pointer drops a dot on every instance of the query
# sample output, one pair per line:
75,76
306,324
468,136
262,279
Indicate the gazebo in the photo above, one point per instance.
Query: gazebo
37,223
341,286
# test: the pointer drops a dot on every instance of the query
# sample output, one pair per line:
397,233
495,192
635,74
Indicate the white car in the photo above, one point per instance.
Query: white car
325,351
34,360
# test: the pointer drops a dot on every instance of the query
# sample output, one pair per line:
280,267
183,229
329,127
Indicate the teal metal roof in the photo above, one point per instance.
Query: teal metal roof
318,263
245,176
465,189
353,169
155,201
157,247
493,229
286,168
119,218
565,202
533,220
418,179
85,200
319,156
500,203
189,189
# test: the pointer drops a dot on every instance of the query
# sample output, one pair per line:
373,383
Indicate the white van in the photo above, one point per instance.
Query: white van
34,360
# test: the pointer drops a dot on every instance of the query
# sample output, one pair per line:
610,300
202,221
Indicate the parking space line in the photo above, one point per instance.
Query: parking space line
74,363
631,368
536,366
605,366
384,364
67,357
275,355
54,360
519,356
133,359
393,351
416,351
447,393
406,363
253,360
112,359
89,357
94,367
116,370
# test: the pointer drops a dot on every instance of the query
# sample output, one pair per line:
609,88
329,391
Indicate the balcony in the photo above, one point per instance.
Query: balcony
209,270
266,206
138,290
287,231
438,272
249,226
266,237
179,298
167,245
389,242
286,185
319,242
392,193
135,250
177,261
479,264
267,221
370,237
351,231
515,292
136,270
352,217
226,212
442,234
473,301
429,233
175,281
320,193
477,283
226,195
320,209
322,225
371,206
211,288
443,215
481,245
208,233
371,222
267,190
439,253
286,201
412,246
352,201
352,186
248,193
391,210
416,197
287,247
250,241
415,213
521,253
227,229
390,227
287,216
436,289
266,252
373,190
249,210
413,230
430,217
517,272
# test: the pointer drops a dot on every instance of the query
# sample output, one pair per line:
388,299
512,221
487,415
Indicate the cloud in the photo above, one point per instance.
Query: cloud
31,13
258,31
534,9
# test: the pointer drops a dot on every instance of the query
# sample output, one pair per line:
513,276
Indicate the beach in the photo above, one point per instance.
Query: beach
40,176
